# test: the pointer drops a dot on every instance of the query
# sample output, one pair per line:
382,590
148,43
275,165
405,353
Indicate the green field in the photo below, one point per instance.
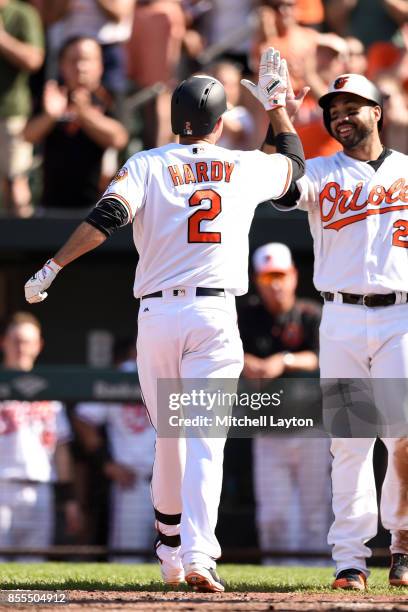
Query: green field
117,577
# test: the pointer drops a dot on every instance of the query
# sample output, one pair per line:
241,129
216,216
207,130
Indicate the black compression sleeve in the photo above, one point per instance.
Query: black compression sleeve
289,144
108,216
290,198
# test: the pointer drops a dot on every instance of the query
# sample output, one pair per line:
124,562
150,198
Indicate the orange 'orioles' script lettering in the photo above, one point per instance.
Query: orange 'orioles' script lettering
201,172
333,199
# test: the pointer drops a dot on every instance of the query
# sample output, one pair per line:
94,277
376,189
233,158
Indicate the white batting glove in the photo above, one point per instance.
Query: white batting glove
272,81
34,289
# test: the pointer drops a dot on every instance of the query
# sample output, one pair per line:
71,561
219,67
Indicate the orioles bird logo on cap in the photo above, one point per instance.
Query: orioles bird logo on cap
340,82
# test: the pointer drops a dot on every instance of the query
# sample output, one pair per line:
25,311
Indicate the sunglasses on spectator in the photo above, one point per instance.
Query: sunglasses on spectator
265,278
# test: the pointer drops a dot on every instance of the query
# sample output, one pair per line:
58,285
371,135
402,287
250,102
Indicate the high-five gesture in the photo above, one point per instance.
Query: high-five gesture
272,82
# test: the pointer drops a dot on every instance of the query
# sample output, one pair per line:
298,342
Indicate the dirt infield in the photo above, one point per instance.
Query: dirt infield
223,602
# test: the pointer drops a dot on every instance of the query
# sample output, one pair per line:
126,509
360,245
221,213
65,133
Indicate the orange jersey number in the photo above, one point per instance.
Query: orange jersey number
204,214
400,236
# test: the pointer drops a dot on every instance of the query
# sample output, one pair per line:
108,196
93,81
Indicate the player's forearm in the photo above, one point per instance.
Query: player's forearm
63,463
38,128
117,9
106,132
20,54
302,360
280,122
84,239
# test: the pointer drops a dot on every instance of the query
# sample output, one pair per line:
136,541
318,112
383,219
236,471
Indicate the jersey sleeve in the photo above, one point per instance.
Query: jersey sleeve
270,175
128,186
309,185
95,414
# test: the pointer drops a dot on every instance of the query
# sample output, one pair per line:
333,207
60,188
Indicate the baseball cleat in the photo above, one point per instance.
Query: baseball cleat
171,566
203,579
398,575
350,579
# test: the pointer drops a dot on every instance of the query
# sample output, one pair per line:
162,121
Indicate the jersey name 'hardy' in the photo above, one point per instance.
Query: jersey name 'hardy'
203,172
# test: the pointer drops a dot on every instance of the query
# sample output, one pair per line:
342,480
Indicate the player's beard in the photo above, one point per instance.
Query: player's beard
359,134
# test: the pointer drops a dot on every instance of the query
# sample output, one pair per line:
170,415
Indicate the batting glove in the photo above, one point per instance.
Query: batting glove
272,81
34,289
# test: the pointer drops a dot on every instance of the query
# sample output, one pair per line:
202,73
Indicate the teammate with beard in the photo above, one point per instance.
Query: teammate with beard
357,203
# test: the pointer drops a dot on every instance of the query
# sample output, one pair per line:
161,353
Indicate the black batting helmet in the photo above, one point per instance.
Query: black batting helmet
196,106
355,84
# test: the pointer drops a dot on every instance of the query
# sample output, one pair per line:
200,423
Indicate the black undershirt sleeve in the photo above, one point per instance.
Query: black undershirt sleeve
290,145
108,216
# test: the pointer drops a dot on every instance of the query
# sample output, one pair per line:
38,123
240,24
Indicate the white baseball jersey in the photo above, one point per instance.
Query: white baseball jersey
191,207
130,433
29,434
359,221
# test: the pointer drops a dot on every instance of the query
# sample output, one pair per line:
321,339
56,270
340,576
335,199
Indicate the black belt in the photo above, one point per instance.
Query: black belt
200,291
372,301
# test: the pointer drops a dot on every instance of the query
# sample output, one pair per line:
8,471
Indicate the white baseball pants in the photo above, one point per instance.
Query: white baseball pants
357,342
184,337
26,516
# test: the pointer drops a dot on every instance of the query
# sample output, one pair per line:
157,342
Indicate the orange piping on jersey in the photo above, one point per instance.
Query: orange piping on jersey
175,175
340,223
188,174
121,199
229,167
217,171
288,179
202,172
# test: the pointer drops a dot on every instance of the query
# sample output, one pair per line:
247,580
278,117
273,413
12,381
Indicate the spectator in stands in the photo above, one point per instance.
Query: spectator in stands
319,70
291,474
21,53
356,61
127,462
107,21
238,132
375,23
394,134
75,126
228,26
154,53
310,13
34,451
279,28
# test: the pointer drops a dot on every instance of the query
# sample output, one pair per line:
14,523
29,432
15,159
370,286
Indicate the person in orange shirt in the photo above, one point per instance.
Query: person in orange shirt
310,13
320,70
278,28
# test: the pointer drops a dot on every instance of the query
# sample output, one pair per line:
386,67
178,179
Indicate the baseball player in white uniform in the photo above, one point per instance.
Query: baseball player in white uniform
131,448
191,205
33,452
357,204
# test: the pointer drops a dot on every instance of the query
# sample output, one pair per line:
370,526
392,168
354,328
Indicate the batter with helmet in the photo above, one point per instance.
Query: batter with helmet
191,205
357,203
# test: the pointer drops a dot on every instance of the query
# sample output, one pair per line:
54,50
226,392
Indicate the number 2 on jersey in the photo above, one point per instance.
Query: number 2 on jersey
195,234
401,227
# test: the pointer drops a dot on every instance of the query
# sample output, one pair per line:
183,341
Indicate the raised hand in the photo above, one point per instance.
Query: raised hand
272,81
55,100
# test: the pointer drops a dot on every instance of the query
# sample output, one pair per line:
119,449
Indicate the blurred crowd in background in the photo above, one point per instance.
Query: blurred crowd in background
85,83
